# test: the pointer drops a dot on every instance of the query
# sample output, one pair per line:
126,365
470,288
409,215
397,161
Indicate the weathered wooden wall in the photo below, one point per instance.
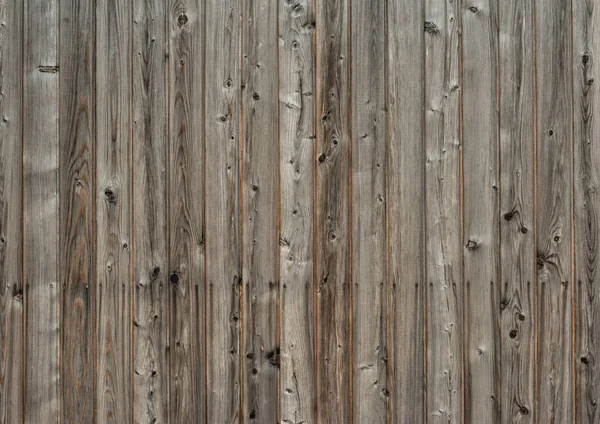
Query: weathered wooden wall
299,211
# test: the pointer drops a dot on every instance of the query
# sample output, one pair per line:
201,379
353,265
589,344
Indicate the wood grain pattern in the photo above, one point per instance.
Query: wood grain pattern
405,180
186,212
260,207
40,212
586,16
554,211
517,223
332,203
296,170
369,288
77,209
443,228
223,226
150,229
113,211
11,171
480,210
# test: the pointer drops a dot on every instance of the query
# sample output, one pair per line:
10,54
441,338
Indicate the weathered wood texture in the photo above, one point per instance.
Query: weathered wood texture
443,228
297,162
480,210
517,281
222,202
260,211
186,211
555,374
405,187
113,211
299,211
586,41
40,212
11,186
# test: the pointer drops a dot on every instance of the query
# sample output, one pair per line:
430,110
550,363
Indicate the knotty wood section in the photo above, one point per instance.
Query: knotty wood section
222,201
77,209
186,211
260,212
480,210
517,307
296,170
554,211
113,211
333,329
405,180
40,212
149,228
443,146
586,17
369,288
11,172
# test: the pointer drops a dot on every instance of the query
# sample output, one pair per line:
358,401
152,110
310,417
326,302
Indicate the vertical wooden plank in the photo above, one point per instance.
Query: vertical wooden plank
586,40
297,148
480,208
150,325
554,215
443,213
186,211
77,209
113,211
405,181
40,211
260,217
333,329
517,222
11,167
223,265
368,88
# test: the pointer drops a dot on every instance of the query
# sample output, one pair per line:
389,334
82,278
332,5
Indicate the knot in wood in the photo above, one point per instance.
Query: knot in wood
182,19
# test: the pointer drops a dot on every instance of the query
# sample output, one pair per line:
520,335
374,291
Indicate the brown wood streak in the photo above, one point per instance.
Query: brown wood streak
369,289
405,210
150,231
11,237
113,212
223,265
444,284
260,238
297,143
332,233
77,210
517,224
480,218
554,211
586,18
186,210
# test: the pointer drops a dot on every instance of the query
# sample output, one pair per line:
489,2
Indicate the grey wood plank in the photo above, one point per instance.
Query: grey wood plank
369,288
113,211
297,158
554,211
77,190
11,240
405,179
186,211
40,211
150,230
443,147
333,329
517,222
480,210
223,226
260,217
586,40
